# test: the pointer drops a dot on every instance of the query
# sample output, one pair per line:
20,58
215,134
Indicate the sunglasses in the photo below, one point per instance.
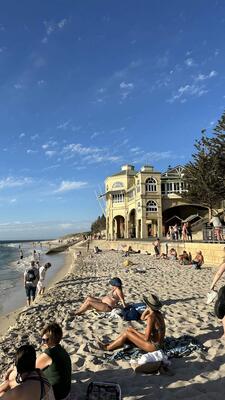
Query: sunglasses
44,340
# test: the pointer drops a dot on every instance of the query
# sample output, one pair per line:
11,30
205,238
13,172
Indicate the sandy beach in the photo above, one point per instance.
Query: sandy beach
183,293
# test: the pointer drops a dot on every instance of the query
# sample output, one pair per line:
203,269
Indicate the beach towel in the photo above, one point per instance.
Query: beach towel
172,348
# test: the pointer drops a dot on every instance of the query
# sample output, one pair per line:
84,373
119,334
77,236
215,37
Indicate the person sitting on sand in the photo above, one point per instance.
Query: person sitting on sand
153,336
106,303
24,381
198,260
172,254
55,361
184,258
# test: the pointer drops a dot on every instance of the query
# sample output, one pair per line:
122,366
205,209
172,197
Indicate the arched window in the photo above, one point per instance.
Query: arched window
151,206
150,185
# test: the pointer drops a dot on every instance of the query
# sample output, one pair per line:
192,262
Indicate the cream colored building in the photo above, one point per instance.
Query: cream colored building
142,204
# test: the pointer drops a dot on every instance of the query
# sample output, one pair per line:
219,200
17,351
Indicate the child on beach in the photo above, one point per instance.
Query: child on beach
153,336
106,303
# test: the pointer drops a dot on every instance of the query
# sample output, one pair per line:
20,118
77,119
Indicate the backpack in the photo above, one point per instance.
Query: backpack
30,275
103,391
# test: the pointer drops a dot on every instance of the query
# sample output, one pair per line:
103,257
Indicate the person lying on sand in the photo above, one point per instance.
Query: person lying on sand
25,382
153,336
106,303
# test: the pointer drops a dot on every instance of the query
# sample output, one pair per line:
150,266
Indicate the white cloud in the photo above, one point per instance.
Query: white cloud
30,151
41,82
62,23
18,86
11,182
66,186
78,148
65,226
64,125
50,153
202,77
34,137
22,135
188,90
44,40
189,62
13,201
124,85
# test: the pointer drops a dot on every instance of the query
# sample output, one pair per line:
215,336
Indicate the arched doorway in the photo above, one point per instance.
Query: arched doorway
132,224
177,214
118,227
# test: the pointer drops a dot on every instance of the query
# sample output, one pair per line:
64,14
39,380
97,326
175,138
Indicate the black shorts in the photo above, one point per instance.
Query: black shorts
30,291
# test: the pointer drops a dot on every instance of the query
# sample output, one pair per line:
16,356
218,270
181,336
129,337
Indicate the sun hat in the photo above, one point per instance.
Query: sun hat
115,282
153,302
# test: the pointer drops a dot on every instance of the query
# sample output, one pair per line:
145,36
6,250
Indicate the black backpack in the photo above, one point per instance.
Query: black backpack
30,276
103,391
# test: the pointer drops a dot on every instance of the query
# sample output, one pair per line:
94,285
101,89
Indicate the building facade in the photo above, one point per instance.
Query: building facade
139,203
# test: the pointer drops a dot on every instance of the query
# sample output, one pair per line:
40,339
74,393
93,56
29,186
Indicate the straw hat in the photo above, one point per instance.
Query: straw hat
153,302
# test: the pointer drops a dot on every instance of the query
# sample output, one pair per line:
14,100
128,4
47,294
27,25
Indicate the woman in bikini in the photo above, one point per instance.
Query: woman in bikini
24,381
106,303
152,338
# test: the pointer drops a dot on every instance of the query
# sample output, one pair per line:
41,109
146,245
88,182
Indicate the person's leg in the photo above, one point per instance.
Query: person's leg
4,387
28,294
131,336
93,305
33,293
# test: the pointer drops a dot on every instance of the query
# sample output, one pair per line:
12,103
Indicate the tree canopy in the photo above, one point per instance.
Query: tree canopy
205,173
99,224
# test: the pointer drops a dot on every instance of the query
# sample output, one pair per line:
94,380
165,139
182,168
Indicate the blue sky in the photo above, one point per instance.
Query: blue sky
87,86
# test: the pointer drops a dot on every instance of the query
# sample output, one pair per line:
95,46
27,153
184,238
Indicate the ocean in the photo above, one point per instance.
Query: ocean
12,292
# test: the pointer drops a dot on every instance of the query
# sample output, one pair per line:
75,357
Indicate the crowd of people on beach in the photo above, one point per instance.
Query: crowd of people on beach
48,375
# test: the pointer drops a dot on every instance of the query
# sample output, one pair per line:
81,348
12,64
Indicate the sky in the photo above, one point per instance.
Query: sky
90,85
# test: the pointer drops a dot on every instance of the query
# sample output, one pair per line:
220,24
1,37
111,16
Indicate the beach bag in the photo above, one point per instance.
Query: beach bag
131,314
30,275
220,303
103,391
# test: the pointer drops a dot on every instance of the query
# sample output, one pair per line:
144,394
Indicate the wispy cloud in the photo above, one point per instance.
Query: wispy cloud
64,125
18,86
79,149
190,62
188,90
50,153
22,135
12,201
34,137
126,89
11,182
202,77
30,151
53,27
66,186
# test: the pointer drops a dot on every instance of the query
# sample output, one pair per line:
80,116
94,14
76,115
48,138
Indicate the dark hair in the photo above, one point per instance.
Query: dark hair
25,359
32,263
54,332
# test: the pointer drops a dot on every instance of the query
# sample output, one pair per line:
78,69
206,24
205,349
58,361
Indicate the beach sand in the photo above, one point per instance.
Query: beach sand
183,293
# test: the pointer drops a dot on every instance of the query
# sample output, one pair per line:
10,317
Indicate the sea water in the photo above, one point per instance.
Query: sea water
12,292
